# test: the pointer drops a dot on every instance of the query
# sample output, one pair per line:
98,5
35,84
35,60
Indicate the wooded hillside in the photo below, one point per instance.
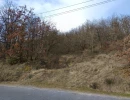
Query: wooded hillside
25,37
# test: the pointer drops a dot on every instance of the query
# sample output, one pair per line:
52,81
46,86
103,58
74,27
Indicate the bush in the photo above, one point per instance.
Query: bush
30,76
27,68
15,60
51,62
109,81
12,60
94,85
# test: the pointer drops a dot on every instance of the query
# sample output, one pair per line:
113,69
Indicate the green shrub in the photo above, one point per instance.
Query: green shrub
12,60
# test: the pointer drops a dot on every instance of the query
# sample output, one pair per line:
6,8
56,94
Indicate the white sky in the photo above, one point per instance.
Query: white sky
68,21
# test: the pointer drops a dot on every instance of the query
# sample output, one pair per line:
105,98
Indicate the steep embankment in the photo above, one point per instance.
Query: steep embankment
103,72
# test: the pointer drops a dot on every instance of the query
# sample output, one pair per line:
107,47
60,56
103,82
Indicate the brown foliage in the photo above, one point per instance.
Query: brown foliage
24,35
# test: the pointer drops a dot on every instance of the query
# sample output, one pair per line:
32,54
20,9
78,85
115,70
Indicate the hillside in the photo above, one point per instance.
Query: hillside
103,72
92,57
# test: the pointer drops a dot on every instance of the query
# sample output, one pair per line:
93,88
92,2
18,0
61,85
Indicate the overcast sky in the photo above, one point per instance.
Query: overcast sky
74,19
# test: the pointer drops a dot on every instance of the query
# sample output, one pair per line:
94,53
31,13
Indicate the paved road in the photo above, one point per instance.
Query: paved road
30,93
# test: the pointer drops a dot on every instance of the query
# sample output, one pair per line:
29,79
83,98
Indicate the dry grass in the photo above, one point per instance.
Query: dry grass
10,73
89,73
102,72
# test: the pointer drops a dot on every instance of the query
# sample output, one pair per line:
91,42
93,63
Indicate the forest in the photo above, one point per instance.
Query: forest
26,37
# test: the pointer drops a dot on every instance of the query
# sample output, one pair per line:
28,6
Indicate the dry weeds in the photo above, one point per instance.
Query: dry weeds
82,71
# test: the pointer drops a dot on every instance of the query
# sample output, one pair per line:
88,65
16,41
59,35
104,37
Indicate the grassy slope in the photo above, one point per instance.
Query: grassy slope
102,73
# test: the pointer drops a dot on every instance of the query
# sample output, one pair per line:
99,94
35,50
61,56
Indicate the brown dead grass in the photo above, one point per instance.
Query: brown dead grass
102,72
10,73
84,74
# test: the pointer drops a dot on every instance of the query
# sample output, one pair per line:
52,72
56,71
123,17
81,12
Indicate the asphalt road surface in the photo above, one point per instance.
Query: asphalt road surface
31,93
